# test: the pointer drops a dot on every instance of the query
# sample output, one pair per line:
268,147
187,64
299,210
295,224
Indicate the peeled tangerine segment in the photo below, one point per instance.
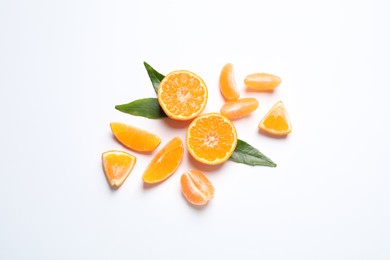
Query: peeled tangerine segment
239,108
227,83
276,121
196,188
117,165
262,81
165,162
135,138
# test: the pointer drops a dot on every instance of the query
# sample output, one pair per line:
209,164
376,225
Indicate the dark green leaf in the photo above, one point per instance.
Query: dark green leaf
247,154
146,107
154,76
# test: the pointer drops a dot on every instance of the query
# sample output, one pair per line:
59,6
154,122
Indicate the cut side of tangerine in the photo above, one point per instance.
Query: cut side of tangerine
196,188
211,138
239,108
165,162
227,83
182,95
117,165
135,138
276,121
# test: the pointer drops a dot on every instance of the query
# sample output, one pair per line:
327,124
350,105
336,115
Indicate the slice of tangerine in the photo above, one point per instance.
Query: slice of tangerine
165,162
117,165
196,188
227,83
135,138
262,81
276,121
239,108
211,138
182,95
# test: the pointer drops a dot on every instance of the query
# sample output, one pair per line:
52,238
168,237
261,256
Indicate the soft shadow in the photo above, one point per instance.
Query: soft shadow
201,166
272,136
148,186
178,124
250,90
195,207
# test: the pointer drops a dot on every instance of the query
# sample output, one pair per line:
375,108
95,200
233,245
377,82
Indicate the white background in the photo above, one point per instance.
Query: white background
64,65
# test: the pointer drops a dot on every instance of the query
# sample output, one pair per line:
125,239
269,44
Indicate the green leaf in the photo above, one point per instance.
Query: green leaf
247,154
146,107
154,75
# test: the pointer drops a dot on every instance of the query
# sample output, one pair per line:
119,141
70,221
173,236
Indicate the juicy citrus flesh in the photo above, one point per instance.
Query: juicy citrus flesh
211,138
165,162
117,165
196,188
182,95
135,138
227,83
239,108
262,81
276,121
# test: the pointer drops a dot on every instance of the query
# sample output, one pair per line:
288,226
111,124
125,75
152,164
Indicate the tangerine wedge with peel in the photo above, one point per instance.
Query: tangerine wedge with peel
165,162
135,138
211,138
196,188
276,121
227,83
117,165
239,108
262,81
182,95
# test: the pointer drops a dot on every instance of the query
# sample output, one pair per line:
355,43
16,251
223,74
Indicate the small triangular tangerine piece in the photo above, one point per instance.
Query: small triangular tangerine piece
165,162
211,138
182,95
276,121
196,188
135,138
117,165
227,83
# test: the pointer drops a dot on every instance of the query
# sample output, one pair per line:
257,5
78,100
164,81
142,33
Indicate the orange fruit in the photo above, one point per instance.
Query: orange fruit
239,108
135,138
211,138
117,165
276,121
196,188
165,162
262,81
227,83
182,95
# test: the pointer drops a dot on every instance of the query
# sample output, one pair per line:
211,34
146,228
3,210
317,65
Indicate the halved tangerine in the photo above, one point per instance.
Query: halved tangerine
276,121
165,162
211,138
196,188
182,95
117,165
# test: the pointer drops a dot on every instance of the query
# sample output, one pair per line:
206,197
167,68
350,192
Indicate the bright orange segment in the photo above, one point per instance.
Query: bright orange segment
196,188
182,95
165,162
262,81
117,165
211,138
277,121
135,138
239,108
227,83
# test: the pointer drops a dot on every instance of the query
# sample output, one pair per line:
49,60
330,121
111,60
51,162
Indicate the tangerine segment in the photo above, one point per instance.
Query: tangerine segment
117,165
165,162
211,138
239,108
276,121
262,81
227,83
182,95
196,188
135,138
